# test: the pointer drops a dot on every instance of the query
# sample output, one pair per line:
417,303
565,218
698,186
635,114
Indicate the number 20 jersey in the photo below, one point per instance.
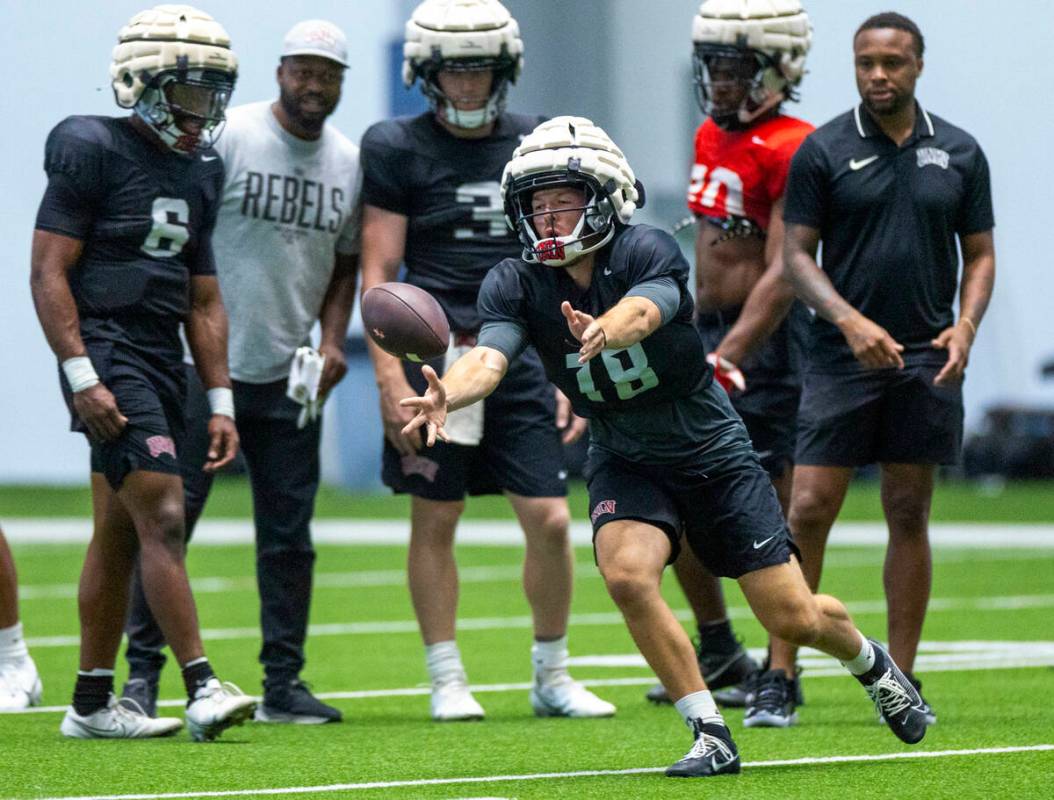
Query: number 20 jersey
145,217
450,191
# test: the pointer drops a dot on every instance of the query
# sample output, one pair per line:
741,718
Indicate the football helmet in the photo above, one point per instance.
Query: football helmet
760,44
569,151
462,35
172,64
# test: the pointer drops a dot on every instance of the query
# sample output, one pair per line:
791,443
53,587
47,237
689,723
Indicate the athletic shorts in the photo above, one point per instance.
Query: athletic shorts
151,397
850,419
769,405
730,518
520,451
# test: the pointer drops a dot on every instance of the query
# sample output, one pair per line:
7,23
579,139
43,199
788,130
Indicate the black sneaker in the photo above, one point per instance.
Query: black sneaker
144,692
772,701
931,715
293,702
714,753
719,670
896,699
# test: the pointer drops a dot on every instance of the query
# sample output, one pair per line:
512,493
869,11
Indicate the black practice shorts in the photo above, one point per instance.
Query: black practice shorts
892,416
731,518
151,396
520,451
769,405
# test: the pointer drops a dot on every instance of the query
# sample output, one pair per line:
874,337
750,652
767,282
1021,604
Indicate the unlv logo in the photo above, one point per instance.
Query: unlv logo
549,249
602,508
161,445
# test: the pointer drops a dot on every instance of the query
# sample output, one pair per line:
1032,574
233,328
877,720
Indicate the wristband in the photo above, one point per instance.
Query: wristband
969,322
80,373
221,401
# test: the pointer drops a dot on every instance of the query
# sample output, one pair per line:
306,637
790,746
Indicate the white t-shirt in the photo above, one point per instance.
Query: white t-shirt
288,207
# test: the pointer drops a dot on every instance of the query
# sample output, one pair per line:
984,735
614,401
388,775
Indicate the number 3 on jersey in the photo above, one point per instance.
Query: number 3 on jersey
629,380
170,230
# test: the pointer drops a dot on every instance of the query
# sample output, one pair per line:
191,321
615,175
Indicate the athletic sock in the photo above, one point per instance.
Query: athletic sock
865,659
717,637
196,674
549,659
443,660
13,643
701,706
92,690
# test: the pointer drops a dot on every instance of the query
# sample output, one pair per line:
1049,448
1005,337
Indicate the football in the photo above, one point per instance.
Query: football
405,321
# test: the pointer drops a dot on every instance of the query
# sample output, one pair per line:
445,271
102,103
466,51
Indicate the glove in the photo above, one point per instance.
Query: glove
726,373
305,373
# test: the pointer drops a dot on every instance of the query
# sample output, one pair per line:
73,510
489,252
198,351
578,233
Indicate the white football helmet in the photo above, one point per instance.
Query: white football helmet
465,35
766,40
569,151
174,63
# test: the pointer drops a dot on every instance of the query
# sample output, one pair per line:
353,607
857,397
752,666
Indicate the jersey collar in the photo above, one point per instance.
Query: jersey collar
866,127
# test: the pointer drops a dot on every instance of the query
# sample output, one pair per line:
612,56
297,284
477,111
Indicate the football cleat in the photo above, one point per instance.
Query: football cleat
452,701
20,685
564,697
896,699
771,703
292,702
144,692
118,719
216,707
719,671
713,753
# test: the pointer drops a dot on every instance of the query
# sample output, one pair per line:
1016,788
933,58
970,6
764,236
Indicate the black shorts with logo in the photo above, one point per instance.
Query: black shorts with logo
151,396
769,405
520,451
730,517
858,417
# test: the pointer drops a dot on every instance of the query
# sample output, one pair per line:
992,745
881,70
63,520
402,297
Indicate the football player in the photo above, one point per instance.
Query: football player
607,306
20,685
121,257
432,199
747,61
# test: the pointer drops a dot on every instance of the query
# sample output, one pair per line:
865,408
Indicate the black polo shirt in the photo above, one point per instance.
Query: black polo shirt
888,217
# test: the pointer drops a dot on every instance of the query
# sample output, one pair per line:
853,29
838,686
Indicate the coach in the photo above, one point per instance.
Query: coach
887,187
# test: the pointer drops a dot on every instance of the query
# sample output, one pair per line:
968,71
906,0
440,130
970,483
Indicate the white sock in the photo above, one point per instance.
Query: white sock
549,659
699,705
12,643
864,660
443,660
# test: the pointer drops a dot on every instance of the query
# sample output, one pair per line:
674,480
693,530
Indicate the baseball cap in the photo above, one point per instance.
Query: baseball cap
316,37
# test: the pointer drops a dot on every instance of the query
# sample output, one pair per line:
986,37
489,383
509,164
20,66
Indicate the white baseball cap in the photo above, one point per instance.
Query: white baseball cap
316,37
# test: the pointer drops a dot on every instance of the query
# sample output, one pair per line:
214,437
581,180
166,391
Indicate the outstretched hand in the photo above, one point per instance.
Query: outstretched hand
430,409
586,329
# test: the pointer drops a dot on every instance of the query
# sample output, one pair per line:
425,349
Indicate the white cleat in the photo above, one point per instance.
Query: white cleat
453,702
564,697
121,719
20,685
216,707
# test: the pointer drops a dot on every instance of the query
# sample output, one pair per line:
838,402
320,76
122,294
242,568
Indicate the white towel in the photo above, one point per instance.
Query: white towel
464,426
305,373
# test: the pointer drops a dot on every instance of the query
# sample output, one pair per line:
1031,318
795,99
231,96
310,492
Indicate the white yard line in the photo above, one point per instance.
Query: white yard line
592,773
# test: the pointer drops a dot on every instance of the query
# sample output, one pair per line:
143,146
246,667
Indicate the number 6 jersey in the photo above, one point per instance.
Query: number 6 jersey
145,216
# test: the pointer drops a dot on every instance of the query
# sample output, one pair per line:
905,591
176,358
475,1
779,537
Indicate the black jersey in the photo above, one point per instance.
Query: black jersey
145,217
450,191
655,401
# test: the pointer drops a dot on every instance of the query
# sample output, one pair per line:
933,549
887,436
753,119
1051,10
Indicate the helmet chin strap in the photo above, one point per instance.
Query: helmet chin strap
559,251
752,110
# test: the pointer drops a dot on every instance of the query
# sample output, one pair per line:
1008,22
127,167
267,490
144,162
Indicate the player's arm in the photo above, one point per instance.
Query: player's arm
53,256
206,330
871,343
974,295
333,319
631,319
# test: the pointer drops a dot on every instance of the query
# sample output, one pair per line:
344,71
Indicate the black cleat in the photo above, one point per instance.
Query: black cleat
895,697
714,753
720,671
931,715
144,692
292,702
772,701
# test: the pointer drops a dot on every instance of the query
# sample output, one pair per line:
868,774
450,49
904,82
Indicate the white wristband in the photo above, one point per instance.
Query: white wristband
221,401
80,373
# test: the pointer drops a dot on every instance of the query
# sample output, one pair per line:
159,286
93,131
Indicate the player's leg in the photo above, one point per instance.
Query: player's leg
20,685
548,577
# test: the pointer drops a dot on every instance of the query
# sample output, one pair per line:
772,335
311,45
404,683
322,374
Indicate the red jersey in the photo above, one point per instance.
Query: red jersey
742,173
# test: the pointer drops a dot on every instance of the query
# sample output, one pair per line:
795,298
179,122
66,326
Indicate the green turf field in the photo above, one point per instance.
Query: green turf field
991,610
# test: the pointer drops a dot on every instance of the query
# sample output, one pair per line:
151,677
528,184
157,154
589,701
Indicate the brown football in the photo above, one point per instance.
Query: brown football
405,321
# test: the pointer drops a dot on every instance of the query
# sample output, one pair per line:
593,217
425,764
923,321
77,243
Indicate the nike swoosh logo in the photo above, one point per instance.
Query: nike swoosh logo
757,140
855,165
758,545
607,270
213,158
